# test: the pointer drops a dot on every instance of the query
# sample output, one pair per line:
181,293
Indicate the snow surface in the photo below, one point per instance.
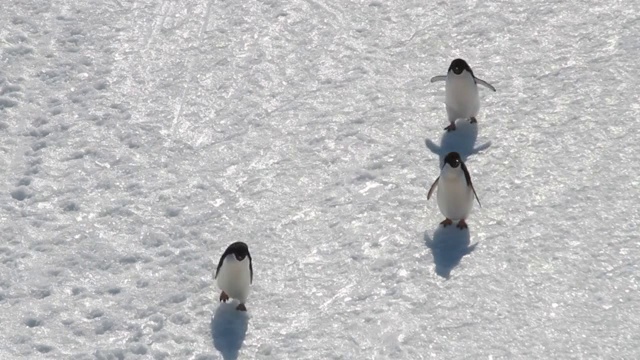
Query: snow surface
138,139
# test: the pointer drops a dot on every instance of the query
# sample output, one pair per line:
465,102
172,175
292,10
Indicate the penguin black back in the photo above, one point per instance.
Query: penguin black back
459,65
240,250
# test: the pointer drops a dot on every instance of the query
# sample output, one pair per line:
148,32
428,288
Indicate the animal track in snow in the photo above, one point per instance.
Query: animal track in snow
32,322
21,193
6,102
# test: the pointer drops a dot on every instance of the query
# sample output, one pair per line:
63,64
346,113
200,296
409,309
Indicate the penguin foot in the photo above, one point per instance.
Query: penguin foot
241,307
224,297
446,222
451,127
462,225
472,120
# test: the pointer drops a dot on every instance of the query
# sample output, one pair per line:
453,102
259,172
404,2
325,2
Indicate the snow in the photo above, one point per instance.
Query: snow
138,139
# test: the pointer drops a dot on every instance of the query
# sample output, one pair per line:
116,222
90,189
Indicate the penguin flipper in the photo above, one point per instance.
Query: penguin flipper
485,84
467,176
476,195
227,252
432,188
439,78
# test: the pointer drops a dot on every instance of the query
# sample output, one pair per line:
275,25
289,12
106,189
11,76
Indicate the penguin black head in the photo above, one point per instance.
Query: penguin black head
239,249
453,159
458,66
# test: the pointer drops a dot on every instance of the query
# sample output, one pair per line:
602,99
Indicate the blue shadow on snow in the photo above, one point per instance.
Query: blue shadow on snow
462,140
228,329
448,246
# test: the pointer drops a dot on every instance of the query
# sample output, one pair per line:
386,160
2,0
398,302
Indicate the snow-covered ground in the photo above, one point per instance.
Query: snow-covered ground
138,139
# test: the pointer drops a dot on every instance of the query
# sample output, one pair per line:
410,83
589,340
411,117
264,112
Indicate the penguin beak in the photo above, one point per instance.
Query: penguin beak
239,257
457,70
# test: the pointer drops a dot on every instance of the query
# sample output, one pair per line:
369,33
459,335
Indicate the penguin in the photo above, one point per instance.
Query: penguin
455,191
234,274
461,94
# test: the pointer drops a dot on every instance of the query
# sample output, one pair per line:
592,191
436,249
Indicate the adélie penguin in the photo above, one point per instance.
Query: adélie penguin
234,274
461,92
455,191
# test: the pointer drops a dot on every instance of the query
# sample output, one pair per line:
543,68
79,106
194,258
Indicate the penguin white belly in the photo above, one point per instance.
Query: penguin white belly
455,198
461,98
235,278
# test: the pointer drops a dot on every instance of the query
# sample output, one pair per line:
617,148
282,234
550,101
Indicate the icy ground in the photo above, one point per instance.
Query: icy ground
139,138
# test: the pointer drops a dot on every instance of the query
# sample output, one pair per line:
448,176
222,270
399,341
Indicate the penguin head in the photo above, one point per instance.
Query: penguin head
453,159
239,250
458,66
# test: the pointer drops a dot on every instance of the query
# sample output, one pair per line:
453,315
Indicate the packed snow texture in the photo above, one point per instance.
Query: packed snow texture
138,139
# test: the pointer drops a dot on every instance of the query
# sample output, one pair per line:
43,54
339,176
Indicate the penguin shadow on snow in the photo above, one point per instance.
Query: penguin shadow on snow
448,246
462,140
228,329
